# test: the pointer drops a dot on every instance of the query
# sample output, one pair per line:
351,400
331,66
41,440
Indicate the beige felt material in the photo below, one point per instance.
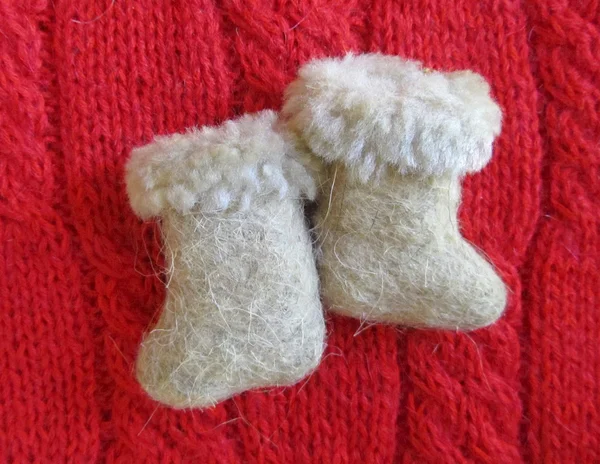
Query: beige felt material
396,140
242,309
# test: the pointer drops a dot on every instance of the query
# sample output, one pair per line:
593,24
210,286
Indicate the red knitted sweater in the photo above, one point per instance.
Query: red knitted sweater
82,82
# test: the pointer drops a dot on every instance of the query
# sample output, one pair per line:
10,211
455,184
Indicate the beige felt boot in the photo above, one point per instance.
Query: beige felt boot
242,308
396,139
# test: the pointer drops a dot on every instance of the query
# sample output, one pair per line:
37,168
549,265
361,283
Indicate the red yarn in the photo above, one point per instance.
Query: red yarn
83,82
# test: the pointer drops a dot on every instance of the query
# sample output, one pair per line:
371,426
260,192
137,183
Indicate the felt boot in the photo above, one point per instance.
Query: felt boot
396,140
242,308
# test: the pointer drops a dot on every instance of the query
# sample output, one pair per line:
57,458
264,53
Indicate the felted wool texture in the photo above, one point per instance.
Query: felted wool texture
242,308
396,139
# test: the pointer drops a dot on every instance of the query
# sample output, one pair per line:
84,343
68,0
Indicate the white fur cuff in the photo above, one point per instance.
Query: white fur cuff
372,110
215,168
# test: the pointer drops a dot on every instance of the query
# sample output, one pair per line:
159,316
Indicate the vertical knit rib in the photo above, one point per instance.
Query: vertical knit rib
47,382
563,379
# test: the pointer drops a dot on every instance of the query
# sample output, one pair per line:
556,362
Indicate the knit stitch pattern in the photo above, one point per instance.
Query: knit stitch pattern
82,82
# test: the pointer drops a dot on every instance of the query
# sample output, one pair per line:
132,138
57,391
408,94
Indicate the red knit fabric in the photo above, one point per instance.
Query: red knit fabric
82,82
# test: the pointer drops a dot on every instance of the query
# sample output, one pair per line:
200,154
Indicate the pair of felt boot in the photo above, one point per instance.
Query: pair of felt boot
381,145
